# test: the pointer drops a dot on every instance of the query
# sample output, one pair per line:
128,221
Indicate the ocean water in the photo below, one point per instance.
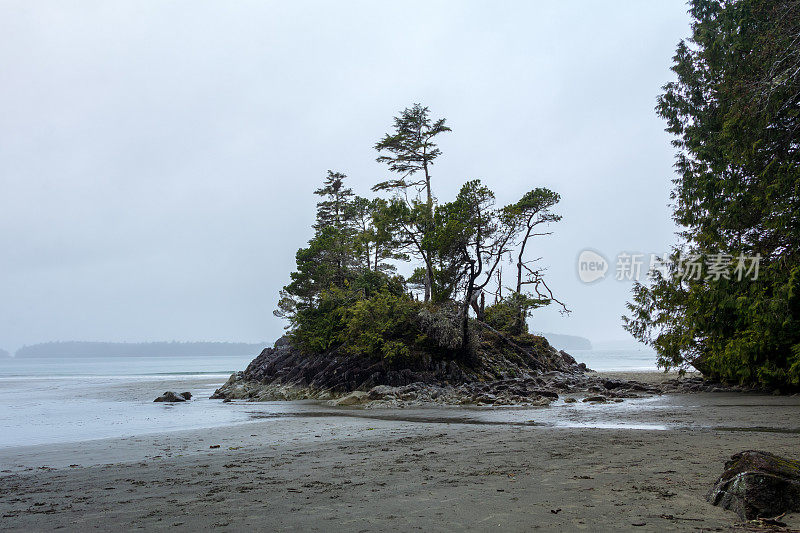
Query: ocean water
49,399
607,360
121,366
53,400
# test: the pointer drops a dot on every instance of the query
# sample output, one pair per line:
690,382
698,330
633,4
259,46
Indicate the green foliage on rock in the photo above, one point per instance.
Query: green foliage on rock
383,326
345,295
502,317
509,316
735,112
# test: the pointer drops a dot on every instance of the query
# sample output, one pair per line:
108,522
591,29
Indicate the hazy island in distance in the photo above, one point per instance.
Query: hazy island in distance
139,349
567,342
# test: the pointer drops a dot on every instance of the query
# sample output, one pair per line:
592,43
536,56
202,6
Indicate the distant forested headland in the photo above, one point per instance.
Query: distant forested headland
567,342
137,349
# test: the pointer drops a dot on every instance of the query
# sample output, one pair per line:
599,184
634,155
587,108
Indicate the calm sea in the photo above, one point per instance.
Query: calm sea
52,400
616,360
121,366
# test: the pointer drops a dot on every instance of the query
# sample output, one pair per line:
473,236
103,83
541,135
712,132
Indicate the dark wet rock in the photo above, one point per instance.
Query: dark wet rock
619,394
504,372
596,399
699,384
186,395
171,397
757,484
700,364
568,359
287,373
611,384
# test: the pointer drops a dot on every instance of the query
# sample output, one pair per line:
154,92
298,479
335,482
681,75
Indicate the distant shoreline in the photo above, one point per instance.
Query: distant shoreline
566,342
68,349
143,356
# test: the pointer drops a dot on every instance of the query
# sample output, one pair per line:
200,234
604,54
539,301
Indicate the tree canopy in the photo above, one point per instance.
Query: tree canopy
346,290
734,110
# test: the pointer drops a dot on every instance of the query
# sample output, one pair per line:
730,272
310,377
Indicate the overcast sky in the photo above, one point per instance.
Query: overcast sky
157,159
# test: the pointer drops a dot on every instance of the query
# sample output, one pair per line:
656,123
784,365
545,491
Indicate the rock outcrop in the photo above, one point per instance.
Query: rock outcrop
171,397
504,371
525,371
286,373
758,484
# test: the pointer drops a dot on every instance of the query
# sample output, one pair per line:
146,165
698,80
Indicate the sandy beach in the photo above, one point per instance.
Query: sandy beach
643,464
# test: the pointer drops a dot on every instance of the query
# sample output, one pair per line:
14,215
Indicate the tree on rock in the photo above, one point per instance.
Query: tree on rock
531,212
345,297
411,149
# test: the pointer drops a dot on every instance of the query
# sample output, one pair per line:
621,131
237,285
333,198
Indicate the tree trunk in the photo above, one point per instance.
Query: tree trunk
465,344
428,224
428,281
478,304
521,312
428,188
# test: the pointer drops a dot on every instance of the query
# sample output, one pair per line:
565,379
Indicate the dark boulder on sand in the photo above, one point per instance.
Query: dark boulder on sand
758,484
171,397
595,399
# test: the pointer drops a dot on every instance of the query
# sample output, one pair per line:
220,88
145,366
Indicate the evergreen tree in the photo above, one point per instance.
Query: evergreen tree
345,293
411,149
476,234
327,260
735,111
530,212
375,242
334,220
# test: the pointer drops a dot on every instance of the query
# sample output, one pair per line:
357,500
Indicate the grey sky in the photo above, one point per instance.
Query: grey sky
157,158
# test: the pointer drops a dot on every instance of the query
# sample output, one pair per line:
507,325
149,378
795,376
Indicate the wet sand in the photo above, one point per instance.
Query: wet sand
640,465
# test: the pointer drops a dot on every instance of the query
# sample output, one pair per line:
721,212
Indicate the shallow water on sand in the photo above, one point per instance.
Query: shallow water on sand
753,412
61,401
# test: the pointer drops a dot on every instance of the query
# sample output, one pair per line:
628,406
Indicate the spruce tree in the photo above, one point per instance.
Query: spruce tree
409,150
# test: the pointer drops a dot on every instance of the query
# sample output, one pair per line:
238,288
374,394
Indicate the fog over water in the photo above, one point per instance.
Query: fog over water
157,160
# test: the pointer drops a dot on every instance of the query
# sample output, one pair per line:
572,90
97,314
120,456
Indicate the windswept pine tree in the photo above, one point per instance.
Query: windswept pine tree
409,150
531,212
735,111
